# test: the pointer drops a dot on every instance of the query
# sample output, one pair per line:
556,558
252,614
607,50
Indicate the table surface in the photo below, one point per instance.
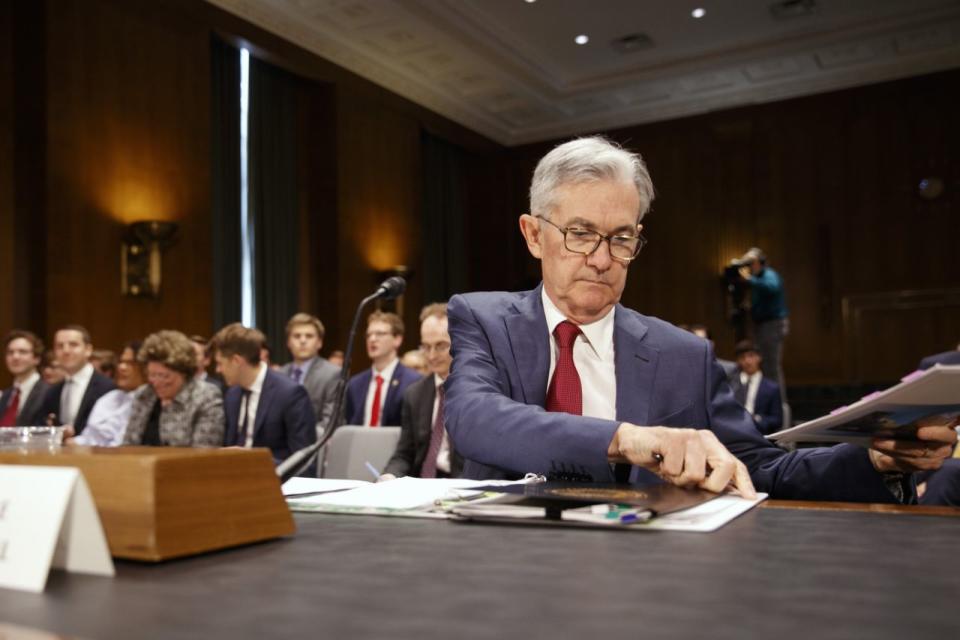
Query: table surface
774,572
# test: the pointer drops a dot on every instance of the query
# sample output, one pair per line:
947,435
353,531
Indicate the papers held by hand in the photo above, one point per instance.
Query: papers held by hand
889,414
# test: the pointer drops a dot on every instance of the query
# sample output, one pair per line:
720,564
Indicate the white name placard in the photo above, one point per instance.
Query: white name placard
48,519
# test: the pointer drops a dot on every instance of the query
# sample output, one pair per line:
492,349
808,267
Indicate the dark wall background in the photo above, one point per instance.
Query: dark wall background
104,119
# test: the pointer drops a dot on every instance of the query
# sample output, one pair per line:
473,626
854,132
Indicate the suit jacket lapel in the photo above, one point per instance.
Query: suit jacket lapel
263,405
425,409
636,366
530,345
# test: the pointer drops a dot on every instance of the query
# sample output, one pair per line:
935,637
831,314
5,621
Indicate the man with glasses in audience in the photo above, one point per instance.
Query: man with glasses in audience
424,449
565,381
107,424
373,397
22,404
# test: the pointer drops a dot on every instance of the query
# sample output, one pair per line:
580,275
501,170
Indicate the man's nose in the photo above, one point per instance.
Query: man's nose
600,259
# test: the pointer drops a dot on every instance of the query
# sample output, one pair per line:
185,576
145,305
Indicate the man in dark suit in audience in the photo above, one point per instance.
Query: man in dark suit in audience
424,449
374,396
70,401
22,404
263,408
758,394
565,381
319,377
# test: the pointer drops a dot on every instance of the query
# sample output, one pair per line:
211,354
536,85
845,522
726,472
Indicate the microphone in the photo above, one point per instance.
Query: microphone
298,461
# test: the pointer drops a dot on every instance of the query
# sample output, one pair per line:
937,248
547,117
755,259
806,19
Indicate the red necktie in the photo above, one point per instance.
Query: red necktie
564,393
429,469
375,409
9,418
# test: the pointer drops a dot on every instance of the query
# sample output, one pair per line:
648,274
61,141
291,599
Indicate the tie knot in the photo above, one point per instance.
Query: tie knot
379,379
566,333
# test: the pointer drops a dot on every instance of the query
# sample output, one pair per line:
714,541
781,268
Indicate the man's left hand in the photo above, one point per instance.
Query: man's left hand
936,438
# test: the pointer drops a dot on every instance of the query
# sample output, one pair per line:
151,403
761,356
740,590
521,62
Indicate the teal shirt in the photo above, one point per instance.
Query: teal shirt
767,300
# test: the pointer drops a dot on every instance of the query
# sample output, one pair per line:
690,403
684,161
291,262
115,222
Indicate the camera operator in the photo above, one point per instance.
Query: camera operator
768,310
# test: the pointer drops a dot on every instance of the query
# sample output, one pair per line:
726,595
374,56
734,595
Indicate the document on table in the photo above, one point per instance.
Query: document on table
892,413
311,486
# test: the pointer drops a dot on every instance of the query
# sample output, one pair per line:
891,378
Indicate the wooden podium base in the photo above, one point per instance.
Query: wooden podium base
158,503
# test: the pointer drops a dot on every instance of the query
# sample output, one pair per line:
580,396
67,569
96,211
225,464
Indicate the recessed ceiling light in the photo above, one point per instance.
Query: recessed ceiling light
699,12
581,39
530,1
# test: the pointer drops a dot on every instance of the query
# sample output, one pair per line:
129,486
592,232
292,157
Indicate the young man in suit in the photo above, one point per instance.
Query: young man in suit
315,374
424,449
263,408
374,396
565,381
758,394
70,401
22,404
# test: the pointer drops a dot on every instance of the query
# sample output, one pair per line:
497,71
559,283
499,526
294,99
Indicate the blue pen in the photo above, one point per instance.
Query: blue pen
372,469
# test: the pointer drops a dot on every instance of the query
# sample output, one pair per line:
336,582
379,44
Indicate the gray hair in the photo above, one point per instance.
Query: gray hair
587,160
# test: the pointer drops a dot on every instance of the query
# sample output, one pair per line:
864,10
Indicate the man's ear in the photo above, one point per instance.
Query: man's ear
530,228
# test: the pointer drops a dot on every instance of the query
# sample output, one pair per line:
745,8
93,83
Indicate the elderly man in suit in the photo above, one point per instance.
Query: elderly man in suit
69,402
565,381
758,394
22,404
319,377
424,449
373,397
264,408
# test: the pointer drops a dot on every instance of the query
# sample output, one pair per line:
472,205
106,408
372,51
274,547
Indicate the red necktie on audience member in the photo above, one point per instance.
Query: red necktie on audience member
9,418
429,469
375,409
565,393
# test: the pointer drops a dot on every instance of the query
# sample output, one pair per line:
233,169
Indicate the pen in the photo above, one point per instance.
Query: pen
372,469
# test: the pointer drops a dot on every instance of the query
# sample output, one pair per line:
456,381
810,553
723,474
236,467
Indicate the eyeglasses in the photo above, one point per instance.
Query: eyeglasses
585,241
440,348
378,334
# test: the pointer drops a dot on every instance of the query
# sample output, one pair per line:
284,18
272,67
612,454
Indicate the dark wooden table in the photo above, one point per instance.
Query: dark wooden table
773,573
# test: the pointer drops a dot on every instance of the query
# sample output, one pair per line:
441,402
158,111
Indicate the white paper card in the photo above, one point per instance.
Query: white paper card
48,519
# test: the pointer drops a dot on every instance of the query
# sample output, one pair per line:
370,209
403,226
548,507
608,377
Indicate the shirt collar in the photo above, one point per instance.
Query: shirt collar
305,367
28,383
83,376
258,382
388,370
598,334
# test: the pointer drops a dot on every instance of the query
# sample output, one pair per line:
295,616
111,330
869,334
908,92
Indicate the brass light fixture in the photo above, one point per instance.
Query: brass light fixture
140,261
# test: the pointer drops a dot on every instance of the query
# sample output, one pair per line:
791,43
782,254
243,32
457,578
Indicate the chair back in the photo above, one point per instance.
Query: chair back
351,447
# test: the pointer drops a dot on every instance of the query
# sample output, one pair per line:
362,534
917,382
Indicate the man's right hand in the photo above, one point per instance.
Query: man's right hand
684,457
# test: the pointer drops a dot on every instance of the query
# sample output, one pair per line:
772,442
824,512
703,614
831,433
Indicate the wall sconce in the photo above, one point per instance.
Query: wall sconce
140,264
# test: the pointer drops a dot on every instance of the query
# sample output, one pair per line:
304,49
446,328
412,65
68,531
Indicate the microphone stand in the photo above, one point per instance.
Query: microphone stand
301,459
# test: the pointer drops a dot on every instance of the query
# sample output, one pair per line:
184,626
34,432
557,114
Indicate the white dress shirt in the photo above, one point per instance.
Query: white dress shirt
24,388
387,375
250,403
594,357
73,389
752,384
108,420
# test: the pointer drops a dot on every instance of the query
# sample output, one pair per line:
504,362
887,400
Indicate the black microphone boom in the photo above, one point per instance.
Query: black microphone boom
390,288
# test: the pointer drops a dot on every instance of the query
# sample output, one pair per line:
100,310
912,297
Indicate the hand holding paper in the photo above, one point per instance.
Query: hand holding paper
936,437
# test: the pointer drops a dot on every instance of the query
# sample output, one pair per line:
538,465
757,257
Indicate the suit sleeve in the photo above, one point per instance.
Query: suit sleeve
208,421
842,472
487,426
771,418
401,462
327,400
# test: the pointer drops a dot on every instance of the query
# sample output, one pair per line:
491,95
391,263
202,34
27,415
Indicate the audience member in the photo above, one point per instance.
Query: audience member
516,402
174,409
758,394
264,408
202,349
336,358
22,404
319,377
701,331
108,419
424,448
415,360
69,402
104,361
374,396
768,311
50,370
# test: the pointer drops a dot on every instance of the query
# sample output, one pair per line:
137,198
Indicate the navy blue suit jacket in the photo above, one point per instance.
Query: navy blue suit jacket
947,357
393,404
665,376
31,408
285,421
767,406
98,386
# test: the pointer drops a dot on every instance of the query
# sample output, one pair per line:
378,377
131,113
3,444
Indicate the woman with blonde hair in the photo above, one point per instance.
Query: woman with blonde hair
174,409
